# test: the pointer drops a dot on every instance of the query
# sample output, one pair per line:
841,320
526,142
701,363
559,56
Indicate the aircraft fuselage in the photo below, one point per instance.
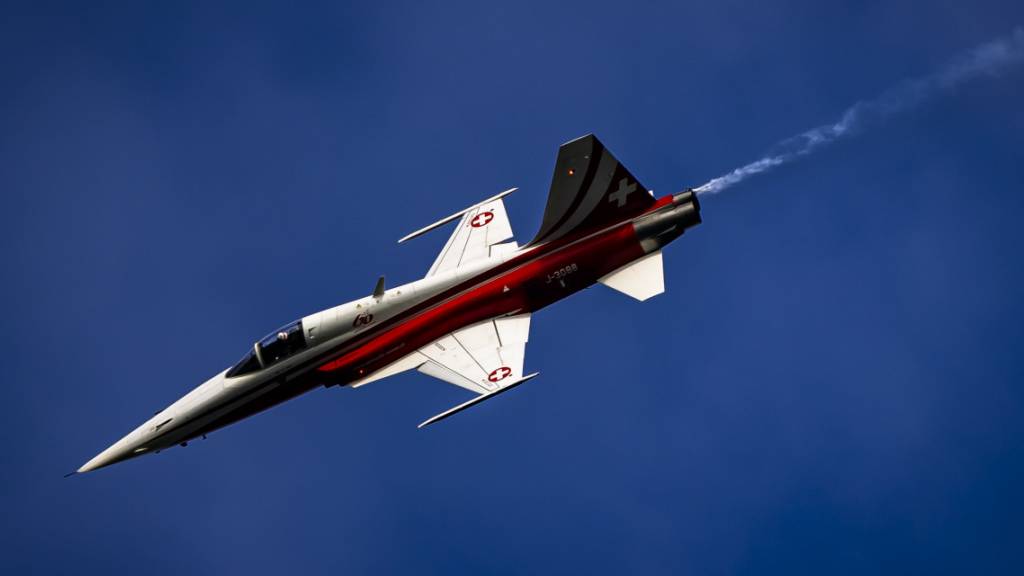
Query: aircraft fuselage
348,344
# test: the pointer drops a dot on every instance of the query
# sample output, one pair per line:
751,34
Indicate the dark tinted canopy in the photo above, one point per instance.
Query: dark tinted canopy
271,349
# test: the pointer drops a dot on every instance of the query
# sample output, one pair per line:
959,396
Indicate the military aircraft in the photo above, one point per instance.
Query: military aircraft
467,321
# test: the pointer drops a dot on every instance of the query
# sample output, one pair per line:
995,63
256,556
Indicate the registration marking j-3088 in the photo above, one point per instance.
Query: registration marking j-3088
562,272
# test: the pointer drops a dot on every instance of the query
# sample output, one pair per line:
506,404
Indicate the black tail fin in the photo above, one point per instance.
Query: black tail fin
590,190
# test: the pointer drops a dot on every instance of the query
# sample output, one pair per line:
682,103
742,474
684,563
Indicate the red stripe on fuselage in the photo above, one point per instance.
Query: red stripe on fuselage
470,301
531,286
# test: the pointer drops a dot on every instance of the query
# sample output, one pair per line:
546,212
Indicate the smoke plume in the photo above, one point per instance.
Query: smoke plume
988,59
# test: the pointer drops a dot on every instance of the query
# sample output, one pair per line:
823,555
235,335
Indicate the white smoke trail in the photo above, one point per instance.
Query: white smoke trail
989,59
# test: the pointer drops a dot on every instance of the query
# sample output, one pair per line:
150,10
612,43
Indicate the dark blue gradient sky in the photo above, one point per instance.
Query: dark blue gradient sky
831,385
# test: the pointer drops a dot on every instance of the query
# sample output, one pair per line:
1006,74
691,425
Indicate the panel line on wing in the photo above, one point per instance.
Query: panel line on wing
455,335
447,247
462,255
494,324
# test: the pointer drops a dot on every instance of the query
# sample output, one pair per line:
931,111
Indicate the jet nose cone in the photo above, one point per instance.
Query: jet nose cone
122,450
109,456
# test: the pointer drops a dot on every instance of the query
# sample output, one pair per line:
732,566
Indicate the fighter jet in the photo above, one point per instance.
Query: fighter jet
467,321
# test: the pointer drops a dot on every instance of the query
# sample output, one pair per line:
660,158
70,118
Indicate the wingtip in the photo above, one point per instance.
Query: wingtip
448,219
70,474
477,400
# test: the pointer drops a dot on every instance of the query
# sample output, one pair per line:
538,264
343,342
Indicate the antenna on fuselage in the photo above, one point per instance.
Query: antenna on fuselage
378,290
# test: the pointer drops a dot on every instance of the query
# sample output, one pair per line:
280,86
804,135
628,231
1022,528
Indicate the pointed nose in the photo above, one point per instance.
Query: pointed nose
128,447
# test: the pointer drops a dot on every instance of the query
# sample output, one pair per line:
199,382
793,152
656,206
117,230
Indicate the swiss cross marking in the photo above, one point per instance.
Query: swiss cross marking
499,374
482,219
622,193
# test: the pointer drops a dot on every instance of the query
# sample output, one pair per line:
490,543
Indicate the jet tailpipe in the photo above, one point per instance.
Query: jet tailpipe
657,229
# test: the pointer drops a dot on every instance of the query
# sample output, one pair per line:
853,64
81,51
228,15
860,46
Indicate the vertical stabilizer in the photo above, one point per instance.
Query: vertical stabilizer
589,191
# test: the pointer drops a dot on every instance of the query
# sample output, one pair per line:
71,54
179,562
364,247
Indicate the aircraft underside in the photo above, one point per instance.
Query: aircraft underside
467,322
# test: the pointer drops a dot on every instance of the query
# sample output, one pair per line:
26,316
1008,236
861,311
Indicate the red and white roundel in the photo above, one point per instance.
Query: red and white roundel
499,374
482,219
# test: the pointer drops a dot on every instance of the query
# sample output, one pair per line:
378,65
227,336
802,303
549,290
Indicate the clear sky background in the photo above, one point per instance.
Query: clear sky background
832,383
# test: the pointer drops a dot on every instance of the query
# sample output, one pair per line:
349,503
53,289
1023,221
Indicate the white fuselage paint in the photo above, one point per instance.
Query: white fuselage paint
324,330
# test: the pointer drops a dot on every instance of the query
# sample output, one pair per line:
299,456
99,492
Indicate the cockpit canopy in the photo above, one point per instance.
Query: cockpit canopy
271,349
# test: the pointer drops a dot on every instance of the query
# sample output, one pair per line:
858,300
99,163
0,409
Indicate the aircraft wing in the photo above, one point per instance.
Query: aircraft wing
483,231
485,358
480,230
481,358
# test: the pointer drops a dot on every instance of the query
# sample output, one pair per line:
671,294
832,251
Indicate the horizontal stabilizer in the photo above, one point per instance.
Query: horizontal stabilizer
475,401
640,279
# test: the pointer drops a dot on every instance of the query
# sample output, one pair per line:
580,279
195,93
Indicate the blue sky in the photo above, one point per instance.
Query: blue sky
831,384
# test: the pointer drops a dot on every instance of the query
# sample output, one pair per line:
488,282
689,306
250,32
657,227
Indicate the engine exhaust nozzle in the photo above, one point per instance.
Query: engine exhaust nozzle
665,225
